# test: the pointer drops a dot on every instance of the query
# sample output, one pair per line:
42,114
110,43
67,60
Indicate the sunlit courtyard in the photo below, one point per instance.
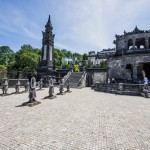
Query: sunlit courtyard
83,119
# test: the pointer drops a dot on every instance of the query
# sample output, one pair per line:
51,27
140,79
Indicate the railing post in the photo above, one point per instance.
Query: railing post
120,87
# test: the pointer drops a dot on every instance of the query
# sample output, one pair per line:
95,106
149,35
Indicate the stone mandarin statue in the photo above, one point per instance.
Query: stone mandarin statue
61,86
27,86
40,84
17,87
51,87
5,86
32,91
68,85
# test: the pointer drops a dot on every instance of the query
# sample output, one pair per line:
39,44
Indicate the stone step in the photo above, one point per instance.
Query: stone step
74,79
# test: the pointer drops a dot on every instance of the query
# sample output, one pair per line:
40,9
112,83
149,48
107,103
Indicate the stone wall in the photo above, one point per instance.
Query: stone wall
117,66
99,77
95,74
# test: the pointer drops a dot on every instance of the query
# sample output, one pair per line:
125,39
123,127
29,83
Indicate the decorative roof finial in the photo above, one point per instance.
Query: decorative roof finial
49,18
136,30
125,32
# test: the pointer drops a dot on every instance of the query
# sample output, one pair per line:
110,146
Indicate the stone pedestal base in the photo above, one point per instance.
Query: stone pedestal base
145,94
63,93
50,97
17,93
39,89
31,104
5,94
68,91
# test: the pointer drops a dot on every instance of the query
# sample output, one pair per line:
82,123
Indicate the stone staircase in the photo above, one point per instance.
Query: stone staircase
74,79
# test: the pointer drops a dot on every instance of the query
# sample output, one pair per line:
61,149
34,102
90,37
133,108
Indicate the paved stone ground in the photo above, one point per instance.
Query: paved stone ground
81,120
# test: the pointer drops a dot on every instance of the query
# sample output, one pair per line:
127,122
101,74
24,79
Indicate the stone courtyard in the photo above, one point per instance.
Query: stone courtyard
81,120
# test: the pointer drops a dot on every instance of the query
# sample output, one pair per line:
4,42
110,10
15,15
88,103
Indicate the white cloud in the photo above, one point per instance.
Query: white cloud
92,24
79,25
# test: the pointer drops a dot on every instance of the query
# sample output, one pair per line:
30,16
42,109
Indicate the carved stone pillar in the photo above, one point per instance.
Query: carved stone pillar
133,43
135,72
146,43
126,44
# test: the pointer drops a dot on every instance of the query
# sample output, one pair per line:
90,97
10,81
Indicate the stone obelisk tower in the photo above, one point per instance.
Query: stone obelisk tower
46,63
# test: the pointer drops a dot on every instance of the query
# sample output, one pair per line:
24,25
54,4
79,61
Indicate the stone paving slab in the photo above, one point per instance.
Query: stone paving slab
81,120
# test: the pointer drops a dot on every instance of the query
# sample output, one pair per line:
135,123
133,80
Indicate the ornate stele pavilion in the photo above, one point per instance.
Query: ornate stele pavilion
46,65
132,58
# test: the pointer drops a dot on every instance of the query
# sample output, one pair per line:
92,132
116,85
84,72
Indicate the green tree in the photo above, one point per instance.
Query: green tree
68,54
103,64
90,64
27,58
7,56
76,68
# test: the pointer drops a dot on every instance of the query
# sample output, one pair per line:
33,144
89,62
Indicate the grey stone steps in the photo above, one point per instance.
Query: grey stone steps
74,79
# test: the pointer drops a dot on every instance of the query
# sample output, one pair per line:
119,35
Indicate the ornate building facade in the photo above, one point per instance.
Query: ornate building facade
132,58
103,55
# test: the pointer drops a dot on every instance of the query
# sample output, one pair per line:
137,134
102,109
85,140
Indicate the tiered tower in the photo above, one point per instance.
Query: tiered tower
46,62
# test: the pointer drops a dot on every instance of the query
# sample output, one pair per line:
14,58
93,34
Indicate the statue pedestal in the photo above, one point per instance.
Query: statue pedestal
31,104
50,97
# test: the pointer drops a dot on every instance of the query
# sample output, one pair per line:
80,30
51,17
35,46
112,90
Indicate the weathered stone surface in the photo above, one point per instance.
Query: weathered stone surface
82,120
117,66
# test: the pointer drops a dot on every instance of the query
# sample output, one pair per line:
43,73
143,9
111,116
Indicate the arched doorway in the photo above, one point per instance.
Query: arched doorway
146,68
140,43
129,71
130,44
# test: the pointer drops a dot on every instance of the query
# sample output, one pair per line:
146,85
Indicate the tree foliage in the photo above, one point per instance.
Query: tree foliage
103,64
27,58
90,64
7,56
76,68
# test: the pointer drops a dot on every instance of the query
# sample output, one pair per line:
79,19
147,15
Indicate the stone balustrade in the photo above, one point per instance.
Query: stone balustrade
120,88
12,82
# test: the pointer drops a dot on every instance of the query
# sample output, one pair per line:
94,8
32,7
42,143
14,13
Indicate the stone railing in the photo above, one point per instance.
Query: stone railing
68,75
12,82
120,88
82,81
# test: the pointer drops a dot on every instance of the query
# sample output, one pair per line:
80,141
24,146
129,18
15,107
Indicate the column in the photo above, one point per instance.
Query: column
146,43
126,44
123,71
133,45
135,72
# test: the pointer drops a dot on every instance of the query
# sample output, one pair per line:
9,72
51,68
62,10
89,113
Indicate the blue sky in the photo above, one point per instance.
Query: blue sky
78,25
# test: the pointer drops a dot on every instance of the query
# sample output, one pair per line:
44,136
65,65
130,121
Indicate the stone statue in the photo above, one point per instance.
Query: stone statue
27,86
5,86
40,84
61,86
17,87
68,85
143,73
32,90
108,80
51,87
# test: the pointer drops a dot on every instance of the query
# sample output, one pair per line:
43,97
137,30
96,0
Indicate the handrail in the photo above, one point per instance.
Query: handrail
82,78
68,75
